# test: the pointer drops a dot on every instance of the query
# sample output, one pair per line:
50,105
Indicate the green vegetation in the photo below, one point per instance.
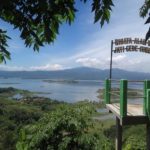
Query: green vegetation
9,92
41,123
15,114
136,140
61,81
68,127
9,83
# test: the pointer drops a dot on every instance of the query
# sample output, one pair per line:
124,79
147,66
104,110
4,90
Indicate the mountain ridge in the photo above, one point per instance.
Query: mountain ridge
79,73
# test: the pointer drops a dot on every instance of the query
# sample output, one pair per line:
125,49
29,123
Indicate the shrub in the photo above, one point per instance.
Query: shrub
68,127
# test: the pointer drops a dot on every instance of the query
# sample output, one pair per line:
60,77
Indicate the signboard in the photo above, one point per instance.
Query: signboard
131,45
128,45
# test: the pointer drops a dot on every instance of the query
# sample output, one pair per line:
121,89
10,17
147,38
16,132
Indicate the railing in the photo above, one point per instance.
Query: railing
123,95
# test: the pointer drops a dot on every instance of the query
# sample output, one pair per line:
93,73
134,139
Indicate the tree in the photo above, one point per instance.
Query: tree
68,127
39,20
143,12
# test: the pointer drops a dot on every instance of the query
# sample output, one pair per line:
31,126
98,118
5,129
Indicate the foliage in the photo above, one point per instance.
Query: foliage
3,46
39,21
143,12
132,144
13,116
102,10
65,128
145,8
136,140
16,114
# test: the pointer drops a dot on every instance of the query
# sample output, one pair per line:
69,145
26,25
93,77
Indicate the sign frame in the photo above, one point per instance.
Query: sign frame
128,45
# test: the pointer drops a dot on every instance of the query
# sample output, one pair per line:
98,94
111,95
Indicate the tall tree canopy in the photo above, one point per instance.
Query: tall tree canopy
39,20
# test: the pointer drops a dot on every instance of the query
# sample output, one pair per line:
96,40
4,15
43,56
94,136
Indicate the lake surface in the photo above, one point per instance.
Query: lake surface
68,92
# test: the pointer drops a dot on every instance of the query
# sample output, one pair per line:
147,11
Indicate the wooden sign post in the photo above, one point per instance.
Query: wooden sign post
128,45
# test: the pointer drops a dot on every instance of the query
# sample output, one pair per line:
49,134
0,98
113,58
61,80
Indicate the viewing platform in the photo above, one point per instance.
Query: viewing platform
134,115
128,113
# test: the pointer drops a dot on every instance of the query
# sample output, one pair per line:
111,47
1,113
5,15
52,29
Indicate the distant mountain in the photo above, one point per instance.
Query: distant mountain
81,73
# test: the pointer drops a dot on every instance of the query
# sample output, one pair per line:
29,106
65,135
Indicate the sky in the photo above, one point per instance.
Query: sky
84,43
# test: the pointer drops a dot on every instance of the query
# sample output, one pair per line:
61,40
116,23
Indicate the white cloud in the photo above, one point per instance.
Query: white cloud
119,58
119,61
127,62
96,52
46,67
11,68
89,62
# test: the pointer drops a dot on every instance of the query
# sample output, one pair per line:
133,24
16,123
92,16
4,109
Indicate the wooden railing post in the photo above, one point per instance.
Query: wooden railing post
148,103
107,91
123,98
144,100
118,134
148,114
146,87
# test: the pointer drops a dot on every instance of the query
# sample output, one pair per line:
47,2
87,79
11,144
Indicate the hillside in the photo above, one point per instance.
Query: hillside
81,73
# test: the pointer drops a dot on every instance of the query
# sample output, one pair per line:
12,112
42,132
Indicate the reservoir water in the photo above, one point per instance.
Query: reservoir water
63,91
